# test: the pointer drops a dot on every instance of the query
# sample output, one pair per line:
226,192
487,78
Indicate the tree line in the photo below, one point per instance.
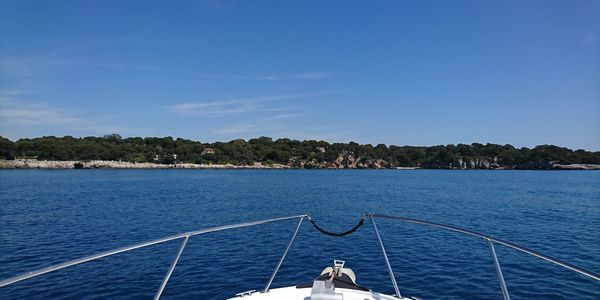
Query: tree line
306,154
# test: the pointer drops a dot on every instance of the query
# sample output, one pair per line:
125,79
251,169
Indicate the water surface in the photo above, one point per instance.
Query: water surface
48,217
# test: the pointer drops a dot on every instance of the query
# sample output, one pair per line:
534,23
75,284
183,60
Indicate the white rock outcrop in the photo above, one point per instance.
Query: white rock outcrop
104,164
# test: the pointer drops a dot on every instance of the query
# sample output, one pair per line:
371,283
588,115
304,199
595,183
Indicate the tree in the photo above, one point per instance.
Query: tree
284,151
7,148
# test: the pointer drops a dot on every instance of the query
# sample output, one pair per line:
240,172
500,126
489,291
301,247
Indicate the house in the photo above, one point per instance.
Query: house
207,151
321,149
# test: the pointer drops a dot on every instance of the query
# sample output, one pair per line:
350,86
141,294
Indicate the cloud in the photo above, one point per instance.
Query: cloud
279,117
236,106
32,66
15,92
36,114
307,76
99,63
15,114
240,77
19,66
16,66
225,107
318,75
215,108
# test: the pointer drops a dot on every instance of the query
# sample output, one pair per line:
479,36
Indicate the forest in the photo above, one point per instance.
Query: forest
294,153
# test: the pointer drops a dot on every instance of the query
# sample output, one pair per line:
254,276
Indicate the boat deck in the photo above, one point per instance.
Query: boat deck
293,293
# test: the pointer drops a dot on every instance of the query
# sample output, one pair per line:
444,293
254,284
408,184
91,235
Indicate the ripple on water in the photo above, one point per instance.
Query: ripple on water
51,216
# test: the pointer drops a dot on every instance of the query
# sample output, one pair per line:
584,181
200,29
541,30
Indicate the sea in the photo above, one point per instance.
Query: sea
51,216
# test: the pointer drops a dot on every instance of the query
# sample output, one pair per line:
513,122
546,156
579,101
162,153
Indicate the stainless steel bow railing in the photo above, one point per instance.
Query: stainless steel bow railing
490,241
184,237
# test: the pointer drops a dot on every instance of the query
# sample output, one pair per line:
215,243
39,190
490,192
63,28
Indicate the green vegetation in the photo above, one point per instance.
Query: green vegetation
303,154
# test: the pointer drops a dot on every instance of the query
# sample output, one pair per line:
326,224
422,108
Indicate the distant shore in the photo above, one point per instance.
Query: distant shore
103,164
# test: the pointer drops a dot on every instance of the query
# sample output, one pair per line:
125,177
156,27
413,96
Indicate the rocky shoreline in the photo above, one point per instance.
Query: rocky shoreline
103,164
576,167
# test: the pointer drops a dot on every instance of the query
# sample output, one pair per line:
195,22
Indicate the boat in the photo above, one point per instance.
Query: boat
335,282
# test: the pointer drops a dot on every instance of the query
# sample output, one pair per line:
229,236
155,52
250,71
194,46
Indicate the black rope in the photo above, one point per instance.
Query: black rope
336,234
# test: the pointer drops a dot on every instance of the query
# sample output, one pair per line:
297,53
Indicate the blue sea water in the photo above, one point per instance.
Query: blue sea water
48,217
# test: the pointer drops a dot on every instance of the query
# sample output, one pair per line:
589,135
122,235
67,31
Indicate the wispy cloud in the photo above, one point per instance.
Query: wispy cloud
32,66
58,59
36,114
40,116
99,64
215,108
240,105
17,66
239,77
15,114
15,92
267,77
279,117
316,75
22,72
237,129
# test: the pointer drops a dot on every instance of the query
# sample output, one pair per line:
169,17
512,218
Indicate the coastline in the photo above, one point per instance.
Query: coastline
103,164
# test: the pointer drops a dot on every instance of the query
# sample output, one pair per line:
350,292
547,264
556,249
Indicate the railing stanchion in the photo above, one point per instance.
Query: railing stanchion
553,260
283,257
387,262
171,268
498,270
96,256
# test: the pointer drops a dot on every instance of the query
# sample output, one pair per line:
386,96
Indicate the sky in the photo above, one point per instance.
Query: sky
394,72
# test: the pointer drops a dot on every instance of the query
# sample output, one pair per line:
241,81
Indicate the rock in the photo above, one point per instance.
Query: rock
576,167
100,164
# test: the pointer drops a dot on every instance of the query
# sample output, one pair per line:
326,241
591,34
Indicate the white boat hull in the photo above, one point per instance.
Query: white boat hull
293,293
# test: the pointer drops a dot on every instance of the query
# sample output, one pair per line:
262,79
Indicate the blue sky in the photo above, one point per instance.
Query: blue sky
392,72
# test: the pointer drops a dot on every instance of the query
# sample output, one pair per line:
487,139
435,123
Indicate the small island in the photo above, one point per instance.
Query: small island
114,152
